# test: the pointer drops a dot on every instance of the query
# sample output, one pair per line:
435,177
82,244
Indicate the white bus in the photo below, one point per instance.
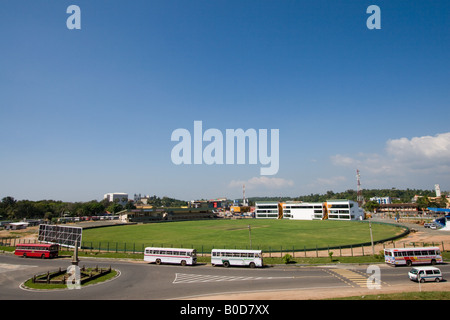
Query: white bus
230,257
410,256
170,255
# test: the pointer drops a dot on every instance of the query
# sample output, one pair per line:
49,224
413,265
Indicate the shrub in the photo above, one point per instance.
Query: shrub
287,258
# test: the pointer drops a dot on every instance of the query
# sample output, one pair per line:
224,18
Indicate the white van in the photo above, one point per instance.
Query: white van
423,274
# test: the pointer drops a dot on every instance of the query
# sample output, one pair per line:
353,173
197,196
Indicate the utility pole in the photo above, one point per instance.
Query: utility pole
250,235
371,237
359,196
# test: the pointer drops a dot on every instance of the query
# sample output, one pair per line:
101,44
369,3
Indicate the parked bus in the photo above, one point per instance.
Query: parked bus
171,255
410,256
233,257
40,250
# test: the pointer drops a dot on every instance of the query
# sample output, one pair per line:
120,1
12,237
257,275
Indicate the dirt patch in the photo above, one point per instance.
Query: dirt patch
29,234
318,294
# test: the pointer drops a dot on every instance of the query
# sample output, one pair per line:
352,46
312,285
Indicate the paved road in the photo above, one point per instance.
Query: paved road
139,281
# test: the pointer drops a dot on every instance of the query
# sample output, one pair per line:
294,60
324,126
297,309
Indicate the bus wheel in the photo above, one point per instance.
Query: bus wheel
43,256
437,280
252,265
24,255
158,261
183,262
408,263
226,264
433,262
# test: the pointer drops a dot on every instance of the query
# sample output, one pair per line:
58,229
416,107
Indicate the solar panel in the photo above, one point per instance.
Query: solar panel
62,235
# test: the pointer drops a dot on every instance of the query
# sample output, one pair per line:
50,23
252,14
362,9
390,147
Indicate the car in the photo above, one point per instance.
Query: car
423,274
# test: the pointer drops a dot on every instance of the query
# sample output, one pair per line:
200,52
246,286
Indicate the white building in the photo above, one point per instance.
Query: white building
266,210
382,200
344,210
303,210
119,197
437,188
16,225
331,209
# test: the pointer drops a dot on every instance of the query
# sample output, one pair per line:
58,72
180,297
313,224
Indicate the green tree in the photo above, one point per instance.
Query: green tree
371,206
442,202
114,208
423,202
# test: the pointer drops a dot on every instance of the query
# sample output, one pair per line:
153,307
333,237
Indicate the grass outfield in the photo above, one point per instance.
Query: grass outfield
267,235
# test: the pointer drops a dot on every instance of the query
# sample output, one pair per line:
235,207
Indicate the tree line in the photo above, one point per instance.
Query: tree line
12,209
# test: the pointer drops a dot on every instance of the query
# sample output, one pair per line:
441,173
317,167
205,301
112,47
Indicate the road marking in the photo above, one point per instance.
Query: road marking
196,278
352,276
5,267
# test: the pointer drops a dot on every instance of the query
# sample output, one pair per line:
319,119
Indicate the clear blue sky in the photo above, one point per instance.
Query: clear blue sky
90,111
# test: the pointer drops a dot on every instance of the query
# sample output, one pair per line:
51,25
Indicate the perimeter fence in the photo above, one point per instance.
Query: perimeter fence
360,249
357,249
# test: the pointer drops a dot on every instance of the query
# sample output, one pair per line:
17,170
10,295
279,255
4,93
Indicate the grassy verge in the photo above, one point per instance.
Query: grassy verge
267,260
429,295
43,286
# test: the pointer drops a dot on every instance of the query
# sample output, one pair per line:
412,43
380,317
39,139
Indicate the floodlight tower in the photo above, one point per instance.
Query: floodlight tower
359,197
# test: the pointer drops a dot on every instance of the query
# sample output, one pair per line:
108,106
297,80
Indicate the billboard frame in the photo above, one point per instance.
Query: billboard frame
66,236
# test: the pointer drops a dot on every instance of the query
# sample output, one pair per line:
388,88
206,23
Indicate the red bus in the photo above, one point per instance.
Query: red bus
40,250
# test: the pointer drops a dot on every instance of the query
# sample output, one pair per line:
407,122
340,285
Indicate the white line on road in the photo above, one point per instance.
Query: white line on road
196,278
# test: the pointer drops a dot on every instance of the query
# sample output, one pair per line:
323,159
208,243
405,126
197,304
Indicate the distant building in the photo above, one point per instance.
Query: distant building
382,200
293,210
118,197
212,203
344,210
267,209
437,188
303,210
403,208
16,225
166,214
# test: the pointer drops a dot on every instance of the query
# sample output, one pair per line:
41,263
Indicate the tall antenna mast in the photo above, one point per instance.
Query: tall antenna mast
359,197
243,195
